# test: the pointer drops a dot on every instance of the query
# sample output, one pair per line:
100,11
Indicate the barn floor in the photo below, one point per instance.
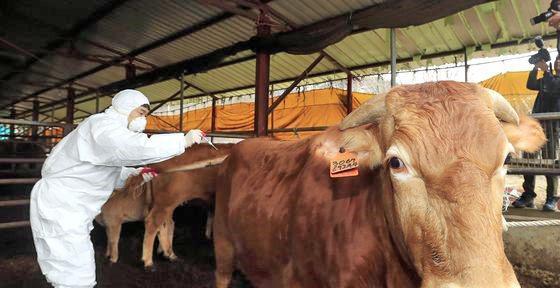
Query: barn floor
18,267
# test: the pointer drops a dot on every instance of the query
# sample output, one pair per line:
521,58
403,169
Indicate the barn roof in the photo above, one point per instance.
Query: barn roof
47,46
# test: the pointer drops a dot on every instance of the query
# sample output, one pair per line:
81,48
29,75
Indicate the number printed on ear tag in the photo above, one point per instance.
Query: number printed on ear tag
344,165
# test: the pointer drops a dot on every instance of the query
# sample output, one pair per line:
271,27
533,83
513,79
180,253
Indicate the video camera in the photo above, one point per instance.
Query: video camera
545,15
542,54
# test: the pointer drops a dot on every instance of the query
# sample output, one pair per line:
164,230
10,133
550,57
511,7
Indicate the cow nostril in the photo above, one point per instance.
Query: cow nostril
436,257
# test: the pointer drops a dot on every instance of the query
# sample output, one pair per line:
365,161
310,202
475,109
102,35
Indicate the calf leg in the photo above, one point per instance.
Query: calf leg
209,220
166,239
113,234
152,224
108,249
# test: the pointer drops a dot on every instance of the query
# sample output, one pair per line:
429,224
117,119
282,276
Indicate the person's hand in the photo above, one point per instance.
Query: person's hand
147,173
554,21
542,65
192,137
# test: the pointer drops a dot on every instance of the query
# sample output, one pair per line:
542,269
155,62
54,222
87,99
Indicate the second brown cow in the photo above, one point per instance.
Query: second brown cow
154,202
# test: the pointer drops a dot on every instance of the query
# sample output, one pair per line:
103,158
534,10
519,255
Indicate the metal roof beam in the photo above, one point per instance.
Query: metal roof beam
520,21
302,76
74,32
170,98
501,22
468,27
491,37
197,88
82,110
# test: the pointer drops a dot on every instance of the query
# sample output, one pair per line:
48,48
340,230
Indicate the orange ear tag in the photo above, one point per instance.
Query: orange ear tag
344,165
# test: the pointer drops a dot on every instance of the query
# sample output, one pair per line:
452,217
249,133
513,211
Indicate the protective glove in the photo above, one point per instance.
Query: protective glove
147,173
192,137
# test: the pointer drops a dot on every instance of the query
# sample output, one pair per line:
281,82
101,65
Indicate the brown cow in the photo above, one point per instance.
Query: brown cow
425,209
155,201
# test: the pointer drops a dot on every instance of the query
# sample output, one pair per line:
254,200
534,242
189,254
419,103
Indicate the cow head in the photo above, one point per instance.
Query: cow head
442,146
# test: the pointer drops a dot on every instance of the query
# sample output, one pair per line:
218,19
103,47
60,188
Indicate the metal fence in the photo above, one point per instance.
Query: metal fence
545,161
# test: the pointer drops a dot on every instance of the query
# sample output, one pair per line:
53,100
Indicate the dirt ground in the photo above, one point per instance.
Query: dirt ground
18,266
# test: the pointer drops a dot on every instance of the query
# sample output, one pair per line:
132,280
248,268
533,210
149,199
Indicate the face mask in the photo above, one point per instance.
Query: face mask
137,124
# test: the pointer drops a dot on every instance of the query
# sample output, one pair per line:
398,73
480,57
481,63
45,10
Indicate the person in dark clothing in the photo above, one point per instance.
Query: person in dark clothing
548,100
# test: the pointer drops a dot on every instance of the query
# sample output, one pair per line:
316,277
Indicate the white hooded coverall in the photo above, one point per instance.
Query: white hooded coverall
77,179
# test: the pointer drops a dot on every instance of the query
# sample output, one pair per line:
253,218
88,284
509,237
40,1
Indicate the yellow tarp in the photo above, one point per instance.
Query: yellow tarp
315,108
512,86
318,108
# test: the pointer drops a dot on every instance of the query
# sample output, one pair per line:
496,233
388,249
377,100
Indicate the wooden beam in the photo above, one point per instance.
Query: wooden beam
189,84
349,98
166,100
302,76
336,63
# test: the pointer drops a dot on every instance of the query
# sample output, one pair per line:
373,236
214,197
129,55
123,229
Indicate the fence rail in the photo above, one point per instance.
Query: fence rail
10,203
10,181
15,224
13,160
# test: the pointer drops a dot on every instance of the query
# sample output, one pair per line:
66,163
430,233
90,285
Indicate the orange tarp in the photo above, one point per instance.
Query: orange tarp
315,108
512,86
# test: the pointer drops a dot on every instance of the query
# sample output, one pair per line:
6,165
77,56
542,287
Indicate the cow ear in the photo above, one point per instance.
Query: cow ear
365,141
527,137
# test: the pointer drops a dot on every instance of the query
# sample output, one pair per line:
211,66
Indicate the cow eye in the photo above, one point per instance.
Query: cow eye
507,161
396,163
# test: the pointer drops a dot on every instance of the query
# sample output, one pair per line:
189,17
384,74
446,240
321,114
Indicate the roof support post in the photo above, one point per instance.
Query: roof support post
182,101
213,123
272,111
96,102
349,98
393,44
12,126
262,80
130,70
70,101
35,117
70,105
466,55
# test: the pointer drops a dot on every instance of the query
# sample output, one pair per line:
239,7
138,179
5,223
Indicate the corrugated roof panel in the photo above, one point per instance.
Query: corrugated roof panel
226,33
226,77
138,23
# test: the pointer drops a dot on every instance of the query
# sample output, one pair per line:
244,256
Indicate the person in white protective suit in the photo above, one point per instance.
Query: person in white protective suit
79,176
